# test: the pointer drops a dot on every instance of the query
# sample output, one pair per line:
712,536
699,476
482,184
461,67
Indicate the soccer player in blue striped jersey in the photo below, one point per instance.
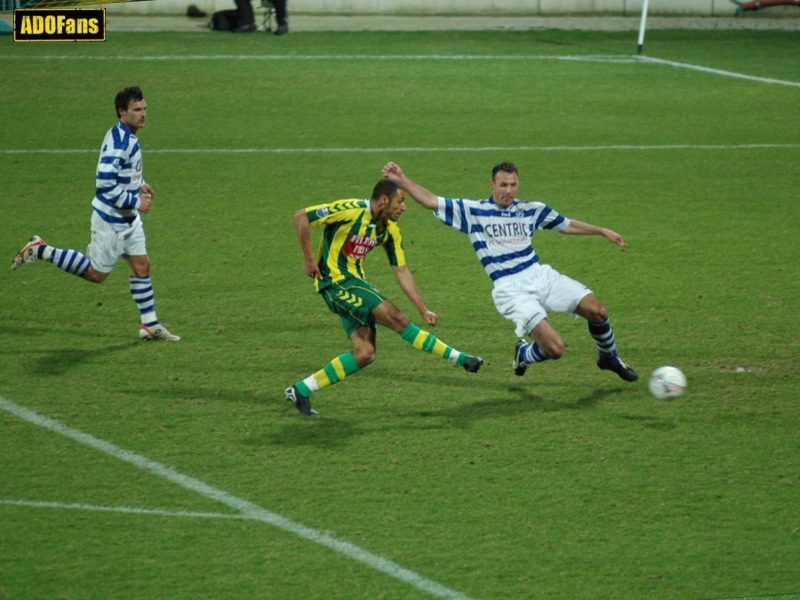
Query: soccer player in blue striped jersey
117,231
501,231
351,229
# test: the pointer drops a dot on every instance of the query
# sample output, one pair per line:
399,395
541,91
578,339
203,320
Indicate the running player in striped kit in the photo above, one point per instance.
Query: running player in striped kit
121,194
351,229
501,231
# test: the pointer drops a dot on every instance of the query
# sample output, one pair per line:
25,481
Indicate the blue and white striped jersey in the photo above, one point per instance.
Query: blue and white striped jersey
119,177
502,238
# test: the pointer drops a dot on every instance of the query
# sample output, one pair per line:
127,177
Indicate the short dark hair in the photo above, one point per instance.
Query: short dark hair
506,167
126,96
385,187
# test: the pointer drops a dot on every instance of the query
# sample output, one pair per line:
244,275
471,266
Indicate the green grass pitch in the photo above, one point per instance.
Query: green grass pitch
567,483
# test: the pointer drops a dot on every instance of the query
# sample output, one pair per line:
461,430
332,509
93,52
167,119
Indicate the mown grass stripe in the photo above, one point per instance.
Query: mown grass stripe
415,57
609,148
309,57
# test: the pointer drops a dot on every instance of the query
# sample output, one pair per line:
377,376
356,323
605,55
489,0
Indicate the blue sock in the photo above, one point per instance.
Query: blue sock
142,292
70,261
604,338
532,353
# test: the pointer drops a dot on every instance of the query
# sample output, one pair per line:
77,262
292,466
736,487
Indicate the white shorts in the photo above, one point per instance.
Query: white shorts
108,244
526,300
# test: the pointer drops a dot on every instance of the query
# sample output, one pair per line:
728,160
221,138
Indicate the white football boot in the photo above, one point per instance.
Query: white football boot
29,254
157,332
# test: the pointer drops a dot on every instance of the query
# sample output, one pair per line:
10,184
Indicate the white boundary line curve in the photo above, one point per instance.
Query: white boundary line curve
451,149
247,509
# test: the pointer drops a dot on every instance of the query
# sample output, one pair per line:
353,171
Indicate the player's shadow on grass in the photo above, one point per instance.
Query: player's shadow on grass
452,380
325,433
653,422
295,429
588,400
12,328
213,394
517,401
54,363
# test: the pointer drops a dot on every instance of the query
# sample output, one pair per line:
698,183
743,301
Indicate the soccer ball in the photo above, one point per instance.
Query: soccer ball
667,383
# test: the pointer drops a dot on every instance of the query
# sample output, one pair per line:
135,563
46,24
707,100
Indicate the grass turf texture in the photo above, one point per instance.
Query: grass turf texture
566,483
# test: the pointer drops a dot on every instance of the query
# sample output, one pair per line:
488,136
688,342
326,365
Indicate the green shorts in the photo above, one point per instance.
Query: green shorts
353,300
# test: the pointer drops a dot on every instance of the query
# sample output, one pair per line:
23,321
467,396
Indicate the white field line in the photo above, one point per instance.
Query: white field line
247,509
660,61
444,149
129,510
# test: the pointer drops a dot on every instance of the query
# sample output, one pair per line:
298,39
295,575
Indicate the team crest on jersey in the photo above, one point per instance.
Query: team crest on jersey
323,212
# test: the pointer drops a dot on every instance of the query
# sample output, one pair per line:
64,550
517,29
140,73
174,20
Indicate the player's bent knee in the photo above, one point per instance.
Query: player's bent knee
399,317
591,309
398,321
388,315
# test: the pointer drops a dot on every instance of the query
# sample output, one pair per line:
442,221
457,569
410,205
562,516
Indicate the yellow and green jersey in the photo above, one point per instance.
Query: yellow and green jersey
349,234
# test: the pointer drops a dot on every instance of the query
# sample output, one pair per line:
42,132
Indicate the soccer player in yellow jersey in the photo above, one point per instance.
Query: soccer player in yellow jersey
351,228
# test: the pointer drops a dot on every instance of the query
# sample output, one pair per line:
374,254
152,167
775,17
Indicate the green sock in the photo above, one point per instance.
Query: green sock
336,370
427,342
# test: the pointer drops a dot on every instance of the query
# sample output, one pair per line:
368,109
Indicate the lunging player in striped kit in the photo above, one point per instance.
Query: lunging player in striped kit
501,231
351,229
121,194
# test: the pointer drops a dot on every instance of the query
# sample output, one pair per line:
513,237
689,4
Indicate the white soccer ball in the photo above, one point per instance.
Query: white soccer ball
667,383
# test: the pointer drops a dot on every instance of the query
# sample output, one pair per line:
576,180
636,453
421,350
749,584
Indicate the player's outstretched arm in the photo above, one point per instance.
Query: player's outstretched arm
303,228
426,198
580,228
409,287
